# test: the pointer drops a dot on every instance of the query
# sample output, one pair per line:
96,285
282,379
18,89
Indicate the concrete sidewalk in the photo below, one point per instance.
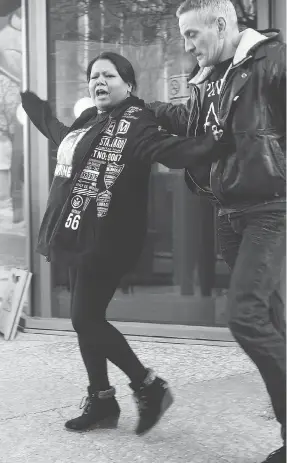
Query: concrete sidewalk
219,414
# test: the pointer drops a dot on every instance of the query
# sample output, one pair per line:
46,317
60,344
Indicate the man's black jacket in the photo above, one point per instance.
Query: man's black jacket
252,108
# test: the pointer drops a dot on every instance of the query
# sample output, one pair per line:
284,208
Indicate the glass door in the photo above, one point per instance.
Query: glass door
180,277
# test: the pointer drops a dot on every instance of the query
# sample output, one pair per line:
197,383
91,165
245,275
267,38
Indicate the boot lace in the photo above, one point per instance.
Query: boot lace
86,404
142,402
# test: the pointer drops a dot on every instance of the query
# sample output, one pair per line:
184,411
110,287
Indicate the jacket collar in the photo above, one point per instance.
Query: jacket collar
249,41
92,112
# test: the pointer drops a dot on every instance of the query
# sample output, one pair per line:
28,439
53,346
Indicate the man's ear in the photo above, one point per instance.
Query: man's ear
221,26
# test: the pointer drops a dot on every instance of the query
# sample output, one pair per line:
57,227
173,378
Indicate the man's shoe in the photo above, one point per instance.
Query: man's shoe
279,456
153,398
101,410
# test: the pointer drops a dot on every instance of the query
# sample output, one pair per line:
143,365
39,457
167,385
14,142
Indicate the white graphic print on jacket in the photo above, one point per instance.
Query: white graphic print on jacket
87,188
87,185
113,171
66,152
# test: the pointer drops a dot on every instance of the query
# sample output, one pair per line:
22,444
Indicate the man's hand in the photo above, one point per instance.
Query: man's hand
225,144
217,134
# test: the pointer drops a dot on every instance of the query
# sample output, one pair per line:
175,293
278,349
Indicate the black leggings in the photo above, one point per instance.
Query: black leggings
99,341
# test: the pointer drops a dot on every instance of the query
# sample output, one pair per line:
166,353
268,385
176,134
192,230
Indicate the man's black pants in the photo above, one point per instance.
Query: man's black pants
253,246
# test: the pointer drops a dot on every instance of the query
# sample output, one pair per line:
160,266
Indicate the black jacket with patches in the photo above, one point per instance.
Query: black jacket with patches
252,110
110,228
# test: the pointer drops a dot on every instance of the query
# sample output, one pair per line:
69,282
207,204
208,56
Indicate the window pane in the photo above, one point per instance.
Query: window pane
12,224
180,277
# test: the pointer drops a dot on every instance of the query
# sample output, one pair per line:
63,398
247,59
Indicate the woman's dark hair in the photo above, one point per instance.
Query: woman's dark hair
123,66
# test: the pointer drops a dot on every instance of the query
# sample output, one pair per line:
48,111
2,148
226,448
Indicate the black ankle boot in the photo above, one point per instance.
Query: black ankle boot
101,410
153,398
279,456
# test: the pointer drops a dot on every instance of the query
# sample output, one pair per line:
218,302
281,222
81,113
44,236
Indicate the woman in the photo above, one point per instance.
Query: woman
95,222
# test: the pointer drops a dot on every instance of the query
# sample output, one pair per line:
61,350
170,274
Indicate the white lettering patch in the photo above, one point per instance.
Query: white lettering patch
123,126
100,154
113,171
131,110
109,149
77,201
110,144
63,170
91,175
114,157
103,202
86,189
111,127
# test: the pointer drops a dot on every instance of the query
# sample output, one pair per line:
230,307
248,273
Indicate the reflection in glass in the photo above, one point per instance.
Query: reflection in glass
180,277
12,225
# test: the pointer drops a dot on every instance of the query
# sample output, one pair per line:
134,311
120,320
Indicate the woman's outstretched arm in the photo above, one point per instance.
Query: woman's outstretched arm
40,113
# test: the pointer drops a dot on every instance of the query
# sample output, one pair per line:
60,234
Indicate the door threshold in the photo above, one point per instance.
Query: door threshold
151,330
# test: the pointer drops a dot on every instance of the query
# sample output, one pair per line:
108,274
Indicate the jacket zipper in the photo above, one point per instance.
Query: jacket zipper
198,109
199,187
222,90
77,176
195,112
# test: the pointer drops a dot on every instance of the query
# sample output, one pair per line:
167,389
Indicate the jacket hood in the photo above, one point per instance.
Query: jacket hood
249,40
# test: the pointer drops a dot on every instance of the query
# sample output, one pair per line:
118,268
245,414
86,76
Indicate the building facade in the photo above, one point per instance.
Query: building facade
181,279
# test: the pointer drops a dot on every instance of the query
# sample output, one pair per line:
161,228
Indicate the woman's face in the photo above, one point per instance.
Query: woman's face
106,86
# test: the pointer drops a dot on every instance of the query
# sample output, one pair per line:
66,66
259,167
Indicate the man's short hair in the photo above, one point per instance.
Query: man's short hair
210,9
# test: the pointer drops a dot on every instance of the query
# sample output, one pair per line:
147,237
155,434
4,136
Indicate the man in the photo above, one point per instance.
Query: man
239,85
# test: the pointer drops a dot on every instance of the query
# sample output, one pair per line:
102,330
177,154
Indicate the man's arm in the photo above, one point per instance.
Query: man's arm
276,75
282,81
176,152
173,118
39,112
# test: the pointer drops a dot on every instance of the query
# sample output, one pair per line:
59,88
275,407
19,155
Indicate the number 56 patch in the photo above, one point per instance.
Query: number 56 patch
73,221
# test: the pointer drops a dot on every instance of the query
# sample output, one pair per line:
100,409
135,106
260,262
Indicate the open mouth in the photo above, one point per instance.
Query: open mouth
101,92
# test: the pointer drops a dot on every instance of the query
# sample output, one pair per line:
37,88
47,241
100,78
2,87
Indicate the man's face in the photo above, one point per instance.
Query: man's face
201,39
